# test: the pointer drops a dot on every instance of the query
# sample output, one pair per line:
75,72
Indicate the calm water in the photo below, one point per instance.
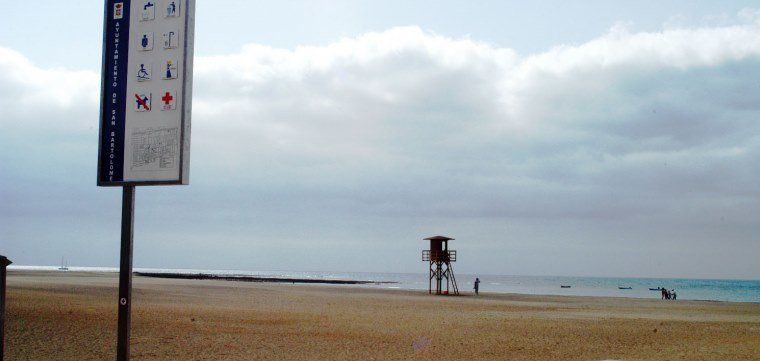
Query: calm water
687,289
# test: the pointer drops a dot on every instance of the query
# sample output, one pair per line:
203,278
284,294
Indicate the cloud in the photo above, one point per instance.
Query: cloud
636,130
28,90
417,119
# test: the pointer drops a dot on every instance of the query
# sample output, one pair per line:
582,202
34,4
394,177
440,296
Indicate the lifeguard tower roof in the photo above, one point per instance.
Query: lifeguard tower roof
438,238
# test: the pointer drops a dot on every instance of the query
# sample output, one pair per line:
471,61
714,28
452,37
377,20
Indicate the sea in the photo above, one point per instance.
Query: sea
687,289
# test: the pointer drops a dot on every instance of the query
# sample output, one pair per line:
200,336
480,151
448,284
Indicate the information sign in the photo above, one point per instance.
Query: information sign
146,92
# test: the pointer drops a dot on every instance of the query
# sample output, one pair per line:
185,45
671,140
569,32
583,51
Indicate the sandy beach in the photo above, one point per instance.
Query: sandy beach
72,316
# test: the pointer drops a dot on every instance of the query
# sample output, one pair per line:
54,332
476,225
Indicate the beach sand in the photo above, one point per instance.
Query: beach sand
72,316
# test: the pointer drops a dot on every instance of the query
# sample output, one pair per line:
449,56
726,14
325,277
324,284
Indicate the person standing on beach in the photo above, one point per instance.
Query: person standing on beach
477,285
664,292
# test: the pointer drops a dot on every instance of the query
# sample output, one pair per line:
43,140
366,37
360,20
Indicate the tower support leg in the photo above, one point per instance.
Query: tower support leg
438,278
430,278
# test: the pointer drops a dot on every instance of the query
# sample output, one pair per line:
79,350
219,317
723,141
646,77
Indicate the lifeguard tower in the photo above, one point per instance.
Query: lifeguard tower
440,257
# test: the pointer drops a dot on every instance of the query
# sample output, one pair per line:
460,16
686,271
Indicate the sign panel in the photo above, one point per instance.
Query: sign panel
146,92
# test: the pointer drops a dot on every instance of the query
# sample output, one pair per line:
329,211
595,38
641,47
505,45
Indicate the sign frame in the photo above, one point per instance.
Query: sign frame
107,176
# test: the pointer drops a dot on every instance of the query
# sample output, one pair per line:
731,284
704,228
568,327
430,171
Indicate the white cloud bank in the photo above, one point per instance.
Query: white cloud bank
650,139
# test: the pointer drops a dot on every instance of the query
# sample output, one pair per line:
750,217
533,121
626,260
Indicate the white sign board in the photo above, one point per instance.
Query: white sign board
146,92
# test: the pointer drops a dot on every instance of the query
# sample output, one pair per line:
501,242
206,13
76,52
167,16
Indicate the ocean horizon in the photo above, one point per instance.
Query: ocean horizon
730,290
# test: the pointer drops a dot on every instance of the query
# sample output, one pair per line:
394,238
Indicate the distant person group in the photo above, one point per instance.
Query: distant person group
668,295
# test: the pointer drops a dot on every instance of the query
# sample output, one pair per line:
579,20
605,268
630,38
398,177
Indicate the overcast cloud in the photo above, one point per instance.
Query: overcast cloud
633,154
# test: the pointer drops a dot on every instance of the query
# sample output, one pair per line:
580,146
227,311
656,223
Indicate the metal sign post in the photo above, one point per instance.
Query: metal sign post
125,272
4,262
146,98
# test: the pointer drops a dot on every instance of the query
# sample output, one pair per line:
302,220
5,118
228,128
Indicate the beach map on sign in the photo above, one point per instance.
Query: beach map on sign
154,148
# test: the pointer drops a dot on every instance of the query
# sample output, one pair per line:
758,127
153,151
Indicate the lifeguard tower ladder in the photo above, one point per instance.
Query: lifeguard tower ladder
439,258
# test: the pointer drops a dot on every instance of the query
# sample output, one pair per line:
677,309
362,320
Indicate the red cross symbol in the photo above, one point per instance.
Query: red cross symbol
167,98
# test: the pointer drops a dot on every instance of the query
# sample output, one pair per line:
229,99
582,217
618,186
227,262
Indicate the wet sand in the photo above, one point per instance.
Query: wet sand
72,316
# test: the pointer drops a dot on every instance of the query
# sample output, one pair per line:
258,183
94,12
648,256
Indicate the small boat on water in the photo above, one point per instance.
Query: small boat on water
655,289
64,267
625,288
565,286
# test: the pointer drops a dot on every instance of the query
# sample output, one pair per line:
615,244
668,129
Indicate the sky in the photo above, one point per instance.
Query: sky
596,138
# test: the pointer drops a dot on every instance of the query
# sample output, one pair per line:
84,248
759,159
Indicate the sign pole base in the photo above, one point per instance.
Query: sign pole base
4,262
125,272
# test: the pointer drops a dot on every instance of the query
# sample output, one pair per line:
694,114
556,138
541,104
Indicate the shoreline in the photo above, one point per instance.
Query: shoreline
72,268
109,280
236,277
